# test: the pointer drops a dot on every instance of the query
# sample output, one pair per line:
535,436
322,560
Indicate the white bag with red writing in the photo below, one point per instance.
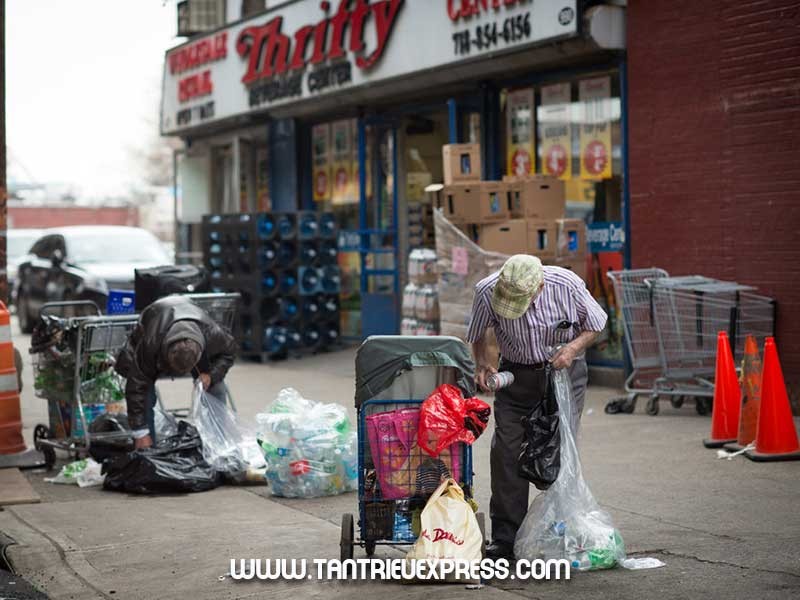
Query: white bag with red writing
448,527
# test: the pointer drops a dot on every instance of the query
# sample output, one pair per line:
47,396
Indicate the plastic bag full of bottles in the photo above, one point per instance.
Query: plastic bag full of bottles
310,448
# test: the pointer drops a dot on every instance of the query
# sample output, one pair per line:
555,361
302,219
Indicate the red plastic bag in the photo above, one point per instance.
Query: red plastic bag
446,418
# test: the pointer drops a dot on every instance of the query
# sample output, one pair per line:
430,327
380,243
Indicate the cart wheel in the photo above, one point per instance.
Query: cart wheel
702,405
481,518
369,548
49,456
676,401
652,406
40,432
630,404
346,543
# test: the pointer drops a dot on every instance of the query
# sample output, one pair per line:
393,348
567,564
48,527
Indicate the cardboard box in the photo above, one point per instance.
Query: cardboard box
510,237
461,163
537,197
576,265
542,238
571,238
494,202
460,203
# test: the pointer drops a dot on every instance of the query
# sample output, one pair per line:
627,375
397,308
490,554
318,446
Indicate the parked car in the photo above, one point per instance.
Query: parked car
18,244
83,263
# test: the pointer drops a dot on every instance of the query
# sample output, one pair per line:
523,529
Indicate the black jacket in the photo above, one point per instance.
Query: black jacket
141,361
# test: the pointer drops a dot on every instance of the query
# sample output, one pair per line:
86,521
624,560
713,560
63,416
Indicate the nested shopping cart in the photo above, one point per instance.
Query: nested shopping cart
74,359
394,375
671,325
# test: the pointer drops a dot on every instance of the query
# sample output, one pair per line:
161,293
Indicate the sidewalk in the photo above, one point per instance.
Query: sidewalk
726,529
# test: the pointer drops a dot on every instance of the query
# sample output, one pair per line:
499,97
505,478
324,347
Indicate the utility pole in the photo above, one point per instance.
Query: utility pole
3,189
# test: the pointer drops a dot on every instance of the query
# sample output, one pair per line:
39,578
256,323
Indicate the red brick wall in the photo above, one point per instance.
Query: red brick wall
27,217
715,146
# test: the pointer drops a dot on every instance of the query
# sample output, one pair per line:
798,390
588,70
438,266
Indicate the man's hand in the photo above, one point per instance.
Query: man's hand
482,373
143,442
563,358
205,379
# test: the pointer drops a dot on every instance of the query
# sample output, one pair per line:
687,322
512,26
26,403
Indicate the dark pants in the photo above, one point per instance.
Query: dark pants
509,503
217,390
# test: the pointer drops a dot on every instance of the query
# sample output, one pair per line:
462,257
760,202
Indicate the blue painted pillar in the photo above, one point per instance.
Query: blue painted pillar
626,188
283,167
453,129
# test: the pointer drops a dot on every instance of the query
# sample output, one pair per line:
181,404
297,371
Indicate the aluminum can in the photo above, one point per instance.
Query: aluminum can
499,380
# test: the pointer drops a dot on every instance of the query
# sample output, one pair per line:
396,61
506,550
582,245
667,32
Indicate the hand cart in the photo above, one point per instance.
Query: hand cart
394,375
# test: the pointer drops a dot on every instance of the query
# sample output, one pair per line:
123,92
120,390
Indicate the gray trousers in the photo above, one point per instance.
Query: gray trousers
509,503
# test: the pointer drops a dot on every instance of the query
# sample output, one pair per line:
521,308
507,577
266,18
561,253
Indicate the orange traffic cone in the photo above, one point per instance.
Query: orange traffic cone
727,397
11,440
776,436
751,395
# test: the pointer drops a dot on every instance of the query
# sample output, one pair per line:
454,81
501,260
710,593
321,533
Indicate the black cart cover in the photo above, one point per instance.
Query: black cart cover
383,358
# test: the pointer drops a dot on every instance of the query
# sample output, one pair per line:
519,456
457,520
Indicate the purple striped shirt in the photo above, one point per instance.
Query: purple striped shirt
564,298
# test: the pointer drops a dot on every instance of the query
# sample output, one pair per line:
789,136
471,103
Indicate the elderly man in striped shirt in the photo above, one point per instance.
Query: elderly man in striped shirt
540,315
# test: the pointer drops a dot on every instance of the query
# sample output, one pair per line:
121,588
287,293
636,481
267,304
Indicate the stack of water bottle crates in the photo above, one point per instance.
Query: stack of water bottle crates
285,267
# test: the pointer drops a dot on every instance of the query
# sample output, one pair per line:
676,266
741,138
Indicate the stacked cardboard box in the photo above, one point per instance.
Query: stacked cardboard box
519,215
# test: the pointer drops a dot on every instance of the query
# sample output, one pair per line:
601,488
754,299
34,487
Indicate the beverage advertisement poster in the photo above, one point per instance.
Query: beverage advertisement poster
595,133
521,143
555,130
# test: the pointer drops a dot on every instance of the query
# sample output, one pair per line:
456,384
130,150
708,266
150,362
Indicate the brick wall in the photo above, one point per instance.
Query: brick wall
714,147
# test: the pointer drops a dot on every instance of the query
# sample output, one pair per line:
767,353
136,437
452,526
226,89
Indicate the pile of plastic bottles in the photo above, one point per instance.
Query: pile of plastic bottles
310,448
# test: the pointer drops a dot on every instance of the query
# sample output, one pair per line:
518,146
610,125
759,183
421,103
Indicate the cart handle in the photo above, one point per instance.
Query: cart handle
69,304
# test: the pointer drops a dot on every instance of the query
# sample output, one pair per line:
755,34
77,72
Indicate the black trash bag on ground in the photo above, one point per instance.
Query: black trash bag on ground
101,449
174,464
540,456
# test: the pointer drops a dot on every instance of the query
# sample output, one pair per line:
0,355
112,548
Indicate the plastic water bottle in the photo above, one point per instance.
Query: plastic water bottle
268,254
309,228
581,562
269,310
312,336
269,282
329,253
310,309
286,226
288,308
215,248
327,225
330,333
329,304
216,262
293,339
331,280
288,282
308,253
309,281
497,381
266,228
274,340
287,253
214,236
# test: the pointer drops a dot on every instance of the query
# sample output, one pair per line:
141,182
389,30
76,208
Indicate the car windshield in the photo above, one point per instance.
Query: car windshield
20,241
117,246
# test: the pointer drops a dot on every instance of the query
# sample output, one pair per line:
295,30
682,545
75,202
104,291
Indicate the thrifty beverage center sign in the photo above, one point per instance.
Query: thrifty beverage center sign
309,48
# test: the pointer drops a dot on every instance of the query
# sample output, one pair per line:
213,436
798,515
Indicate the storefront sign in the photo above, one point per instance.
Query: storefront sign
605,236
309,48
320,158
595,97
556,130
521,153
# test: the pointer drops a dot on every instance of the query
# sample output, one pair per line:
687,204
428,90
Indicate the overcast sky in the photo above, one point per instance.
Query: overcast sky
83,82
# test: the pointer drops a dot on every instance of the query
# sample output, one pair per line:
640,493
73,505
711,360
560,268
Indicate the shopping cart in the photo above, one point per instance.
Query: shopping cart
671,326
394,375
74,370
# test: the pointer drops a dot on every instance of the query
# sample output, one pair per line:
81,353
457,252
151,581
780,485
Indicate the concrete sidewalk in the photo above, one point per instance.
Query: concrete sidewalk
726,529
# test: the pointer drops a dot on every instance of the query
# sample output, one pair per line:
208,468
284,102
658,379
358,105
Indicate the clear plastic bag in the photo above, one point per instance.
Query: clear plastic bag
309,447
566,521
227,447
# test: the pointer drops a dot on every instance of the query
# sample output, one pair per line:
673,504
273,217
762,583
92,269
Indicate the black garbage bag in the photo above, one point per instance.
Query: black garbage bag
174,464
540,456
101,449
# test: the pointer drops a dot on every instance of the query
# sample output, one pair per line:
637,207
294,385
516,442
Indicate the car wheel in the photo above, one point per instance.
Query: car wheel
24,314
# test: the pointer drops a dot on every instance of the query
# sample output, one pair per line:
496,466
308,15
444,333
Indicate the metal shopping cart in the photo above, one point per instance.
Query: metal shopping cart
671,325
394,375
74,370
